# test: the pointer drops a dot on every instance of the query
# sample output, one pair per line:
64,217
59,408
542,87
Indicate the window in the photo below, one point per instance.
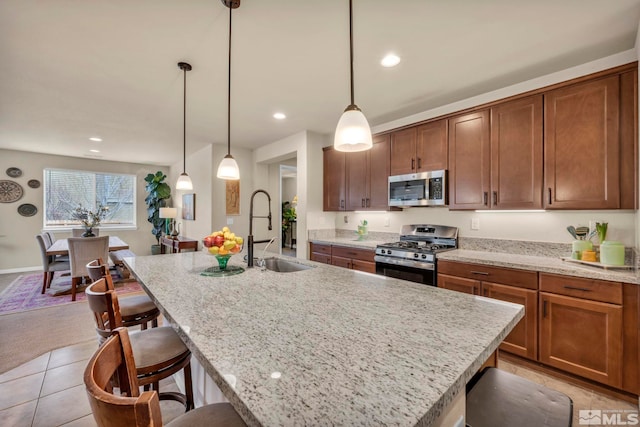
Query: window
65,190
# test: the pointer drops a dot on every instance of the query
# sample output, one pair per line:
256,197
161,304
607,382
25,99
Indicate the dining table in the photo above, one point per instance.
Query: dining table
61,246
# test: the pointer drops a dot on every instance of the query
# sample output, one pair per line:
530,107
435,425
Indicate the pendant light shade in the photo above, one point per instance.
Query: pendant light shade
353,132
184,182
228,168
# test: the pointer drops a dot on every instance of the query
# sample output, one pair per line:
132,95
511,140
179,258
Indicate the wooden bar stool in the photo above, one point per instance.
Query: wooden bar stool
502,399
134,309
130,408
158,352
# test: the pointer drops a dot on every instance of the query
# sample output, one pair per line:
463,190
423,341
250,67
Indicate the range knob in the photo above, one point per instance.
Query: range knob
416,255
388,251
424,256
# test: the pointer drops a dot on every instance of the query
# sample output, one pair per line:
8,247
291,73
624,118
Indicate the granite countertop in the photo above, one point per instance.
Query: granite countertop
540,263
349,348
349,242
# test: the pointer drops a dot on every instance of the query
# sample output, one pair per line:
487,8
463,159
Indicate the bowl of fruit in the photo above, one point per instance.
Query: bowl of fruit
223,244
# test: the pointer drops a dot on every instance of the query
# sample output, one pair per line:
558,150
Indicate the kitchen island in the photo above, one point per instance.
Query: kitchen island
327,345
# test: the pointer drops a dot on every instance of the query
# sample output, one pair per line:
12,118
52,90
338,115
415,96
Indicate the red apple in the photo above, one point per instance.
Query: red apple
208,241
218,241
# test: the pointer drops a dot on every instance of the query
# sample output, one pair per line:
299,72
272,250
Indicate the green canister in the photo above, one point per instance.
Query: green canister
580,245
611,253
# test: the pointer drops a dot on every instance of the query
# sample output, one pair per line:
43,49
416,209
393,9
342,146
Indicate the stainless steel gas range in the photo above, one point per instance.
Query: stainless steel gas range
414,256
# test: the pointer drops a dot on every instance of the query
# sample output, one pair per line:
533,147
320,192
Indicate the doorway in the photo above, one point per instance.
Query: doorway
288,205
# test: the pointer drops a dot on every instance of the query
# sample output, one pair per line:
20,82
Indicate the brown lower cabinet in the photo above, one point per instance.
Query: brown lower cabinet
517,286
589,328
581,328
342,256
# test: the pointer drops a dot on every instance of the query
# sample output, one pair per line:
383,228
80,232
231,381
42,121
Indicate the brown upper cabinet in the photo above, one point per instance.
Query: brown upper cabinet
357,181
367,175
469,161
500,168
582,145
333,197
516,154
419,149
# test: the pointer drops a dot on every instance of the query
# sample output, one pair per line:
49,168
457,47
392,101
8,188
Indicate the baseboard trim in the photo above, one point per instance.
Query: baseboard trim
20,270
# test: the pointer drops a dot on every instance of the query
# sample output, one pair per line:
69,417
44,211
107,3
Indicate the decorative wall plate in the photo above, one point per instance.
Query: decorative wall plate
14,172
33,183
27,209
10,191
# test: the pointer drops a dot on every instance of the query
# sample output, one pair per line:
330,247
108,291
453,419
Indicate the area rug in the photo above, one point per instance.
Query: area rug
24,292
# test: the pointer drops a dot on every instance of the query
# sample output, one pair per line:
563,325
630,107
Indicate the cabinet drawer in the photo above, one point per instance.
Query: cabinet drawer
506,276
596,290
320,248
326,259
366,266
353,253
341,262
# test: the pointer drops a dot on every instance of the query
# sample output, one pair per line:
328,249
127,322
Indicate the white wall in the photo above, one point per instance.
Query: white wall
210,191
548,226
18,248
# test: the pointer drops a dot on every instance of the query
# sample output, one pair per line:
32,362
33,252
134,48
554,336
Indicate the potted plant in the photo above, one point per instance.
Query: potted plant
158,192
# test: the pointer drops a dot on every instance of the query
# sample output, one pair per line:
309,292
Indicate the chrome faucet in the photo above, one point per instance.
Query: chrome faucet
250,241
261,262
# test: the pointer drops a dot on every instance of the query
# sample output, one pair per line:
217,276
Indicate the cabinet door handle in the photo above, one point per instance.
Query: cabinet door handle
413,164
363,203
352,253
544,308
368,204
486,292
486,198
482,273
419,162
549,195
575,288
495,198
342,204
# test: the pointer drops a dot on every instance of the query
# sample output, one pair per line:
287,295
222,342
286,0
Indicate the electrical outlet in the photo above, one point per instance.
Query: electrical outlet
475,223
346,219
229,221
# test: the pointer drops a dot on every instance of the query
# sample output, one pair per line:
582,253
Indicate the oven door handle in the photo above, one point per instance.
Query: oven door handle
404,262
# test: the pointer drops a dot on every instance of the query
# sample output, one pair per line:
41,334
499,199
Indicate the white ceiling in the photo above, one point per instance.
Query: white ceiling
71,69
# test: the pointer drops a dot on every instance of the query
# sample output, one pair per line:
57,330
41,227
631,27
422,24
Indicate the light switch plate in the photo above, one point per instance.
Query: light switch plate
229,221
475,223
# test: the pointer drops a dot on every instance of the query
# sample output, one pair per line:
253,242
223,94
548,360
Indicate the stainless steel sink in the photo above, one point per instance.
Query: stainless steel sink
283,266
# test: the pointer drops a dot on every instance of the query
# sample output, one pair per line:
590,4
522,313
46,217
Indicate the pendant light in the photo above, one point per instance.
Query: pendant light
184,182
228,168
353,132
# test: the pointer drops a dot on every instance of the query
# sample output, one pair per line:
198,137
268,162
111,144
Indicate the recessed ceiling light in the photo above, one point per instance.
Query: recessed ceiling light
95,138
95,151
279,116
390,60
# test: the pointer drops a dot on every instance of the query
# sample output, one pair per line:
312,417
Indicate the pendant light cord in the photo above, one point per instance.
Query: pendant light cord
351,45
184,122
229,91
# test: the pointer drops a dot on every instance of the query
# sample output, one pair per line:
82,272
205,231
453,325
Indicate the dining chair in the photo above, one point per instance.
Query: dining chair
81,251
135,309
49,264
158,352
130,407
78,232
49,238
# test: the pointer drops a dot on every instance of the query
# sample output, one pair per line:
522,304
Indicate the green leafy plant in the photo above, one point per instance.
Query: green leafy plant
158,192
601,229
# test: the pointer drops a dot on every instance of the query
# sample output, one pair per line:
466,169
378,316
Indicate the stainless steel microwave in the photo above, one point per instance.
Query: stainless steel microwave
419,189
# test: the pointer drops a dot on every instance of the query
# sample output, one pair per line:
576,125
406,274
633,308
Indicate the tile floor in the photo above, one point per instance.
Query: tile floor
49,391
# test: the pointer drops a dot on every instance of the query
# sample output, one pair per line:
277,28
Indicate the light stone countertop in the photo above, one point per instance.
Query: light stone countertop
540,263
351,348
350,242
